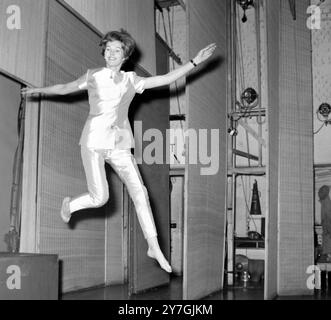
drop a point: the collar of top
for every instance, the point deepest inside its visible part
(111, 73)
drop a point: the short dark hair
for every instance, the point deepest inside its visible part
(128, 43)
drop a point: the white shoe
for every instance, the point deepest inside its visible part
(65, 210)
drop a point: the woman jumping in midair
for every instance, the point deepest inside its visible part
(107, 134)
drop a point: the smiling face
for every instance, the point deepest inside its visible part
(114, 54)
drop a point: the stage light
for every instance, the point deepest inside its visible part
(249, 98)
(245, 5)
(323, 115)
(324, 110)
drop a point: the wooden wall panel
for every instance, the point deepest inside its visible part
(116, 237)
(22, 51)
(296, 251)
(72, 47)
(29, 183)
(136, 16)
(104, 15)
(205, 207)
(152, 110)
(272, 23)
(177, 210)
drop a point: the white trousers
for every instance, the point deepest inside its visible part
(124, 164)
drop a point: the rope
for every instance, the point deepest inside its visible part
(164, 27)
(240, 55)
(319, 130)
(259, 64)
(13, 237)
(171, 45)
(170, 31)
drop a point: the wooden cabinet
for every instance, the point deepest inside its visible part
(29, 277)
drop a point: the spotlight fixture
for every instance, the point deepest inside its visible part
(323, 114)
(249, 98)
(245, 5)
(233, 132)
(324, 110)
(241, 263)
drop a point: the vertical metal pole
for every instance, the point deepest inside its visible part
(231, 140)
(259, 70)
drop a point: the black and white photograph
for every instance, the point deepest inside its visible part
(170, 152)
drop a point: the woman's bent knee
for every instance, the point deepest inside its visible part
(99, 201)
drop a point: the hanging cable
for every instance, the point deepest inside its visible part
(259, 64)
(173, 23)
(170, 31)
(12, 238)
(240, 61)
(171, 45)
(319, 130)
(248, 148)
(240, 75)
(169, 41)
(158, 22)
(164, 28)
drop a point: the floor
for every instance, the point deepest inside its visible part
(250, 291)
(120, 292)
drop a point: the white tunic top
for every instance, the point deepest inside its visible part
(107, 126)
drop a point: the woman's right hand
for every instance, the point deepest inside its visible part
(205, 53)
(29, 91)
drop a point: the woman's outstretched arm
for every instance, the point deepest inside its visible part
(59, 89)
(163, 80)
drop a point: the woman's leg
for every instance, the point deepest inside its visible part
(126, 167)
(98, 194)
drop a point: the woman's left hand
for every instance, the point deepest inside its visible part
(205, 53)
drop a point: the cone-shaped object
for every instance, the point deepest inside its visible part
(255, 207)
